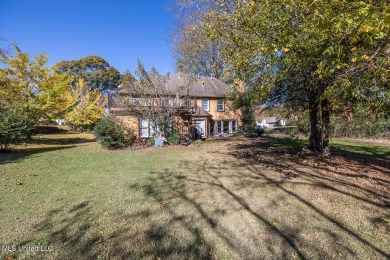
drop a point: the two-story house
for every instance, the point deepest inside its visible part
(197, 105)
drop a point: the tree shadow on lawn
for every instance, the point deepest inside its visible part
(377, 157)
(359, 179)
(252, 212)
(278, 153)
(265, 207)
(41, 145)
(343, 148)
(78, 234)
(62, 141)
(15, 156)
(249, 202)
(66, 231)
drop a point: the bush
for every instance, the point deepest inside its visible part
(112, 134)
(173, 139)
(250, 128)
(151, 140)
(292, 131)
(260, 131)
(304, 126)
(129, 135)
(14, 127)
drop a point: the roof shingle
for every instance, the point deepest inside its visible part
(180, 83)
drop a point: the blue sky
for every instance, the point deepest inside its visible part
(118, 31)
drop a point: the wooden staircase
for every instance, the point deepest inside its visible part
(191, 131)
(184, 140)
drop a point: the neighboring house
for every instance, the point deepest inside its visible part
(281, 122)
(198, 107)
(262, 123)
(60, 121)
(269, 122)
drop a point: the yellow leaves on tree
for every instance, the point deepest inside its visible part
(40, 93)
(56, 95)
(88, 106)
(43, 95)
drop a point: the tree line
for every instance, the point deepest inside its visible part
(32, 94)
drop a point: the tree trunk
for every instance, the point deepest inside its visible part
(315, 139)
(325, 114)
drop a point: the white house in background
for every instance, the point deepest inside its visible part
(271, 122)
(281, 122)
(60, 121)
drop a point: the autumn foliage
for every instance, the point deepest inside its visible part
(88, 106)
(32, 94)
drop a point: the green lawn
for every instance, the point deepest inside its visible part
(361, 149)
(248, 198)
(337, 147)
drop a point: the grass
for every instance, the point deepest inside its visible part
(337, 147)
(248, 198)
(361, 149)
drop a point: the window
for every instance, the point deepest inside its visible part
(151, 128)
(144, 127)
(167, 102)
(225, 127)
(206, 104)
(164, 102)
(172, 102)
(137, 101)
(220, 105)
(158, 126)
(219, 127)
(234, 126)
(144, 101)
(186, 103)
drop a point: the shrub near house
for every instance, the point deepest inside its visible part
(111, 134)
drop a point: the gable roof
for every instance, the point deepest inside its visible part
(270, 119)
(200, 112)
(258, 114)
(180, 82)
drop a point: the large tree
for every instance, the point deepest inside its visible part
(127, 78)
(320, 51)
(149, 98)
(94, 70)
(35, 90)
(88, 106)
(196, 53)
